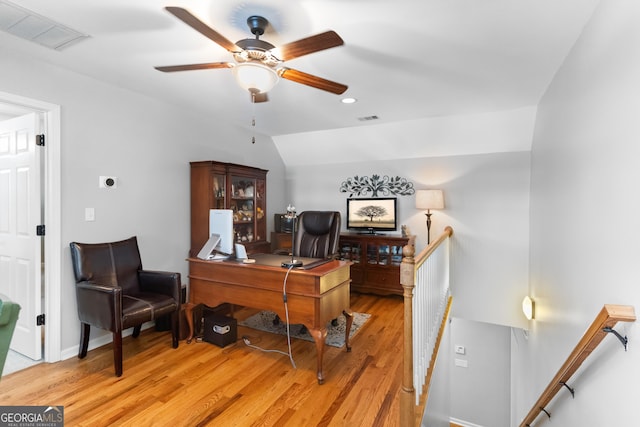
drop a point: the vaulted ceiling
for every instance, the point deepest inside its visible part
(402, 59)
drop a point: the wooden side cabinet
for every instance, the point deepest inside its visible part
(280, 241)
(376, 262)
(243, 189)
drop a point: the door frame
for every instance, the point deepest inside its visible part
(52, 218)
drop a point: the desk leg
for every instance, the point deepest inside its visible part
(319, 336)
(188, 312)
(348, 315)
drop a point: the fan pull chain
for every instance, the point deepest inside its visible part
(253, 119)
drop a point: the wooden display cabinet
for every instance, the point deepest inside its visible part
(243, 189)
(376, 262)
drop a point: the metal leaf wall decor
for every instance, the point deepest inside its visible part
(377, 185)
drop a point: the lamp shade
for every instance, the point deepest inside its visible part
(255, 76)
(429, 199)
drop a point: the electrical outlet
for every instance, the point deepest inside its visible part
(460, 349)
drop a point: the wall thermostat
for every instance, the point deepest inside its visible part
(108, 182)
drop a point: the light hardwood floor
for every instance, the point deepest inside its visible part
(200, 384)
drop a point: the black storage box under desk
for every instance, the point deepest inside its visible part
(220, 330)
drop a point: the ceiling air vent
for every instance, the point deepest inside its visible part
(30, 26)
(368, 118)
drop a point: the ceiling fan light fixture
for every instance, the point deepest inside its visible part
(257, 66)
(253, 76)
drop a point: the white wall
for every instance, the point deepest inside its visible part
(480, 391)
(486, 203)
(146, 144)
(441, 136)
(437, 412)
(584, 223)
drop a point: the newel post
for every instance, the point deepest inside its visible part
(408, 393)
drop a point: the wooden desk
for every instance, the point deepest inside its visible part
(314, 296)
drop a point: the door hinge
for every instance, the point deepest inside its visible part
(40, 140)
(40, 319)
(40, 230)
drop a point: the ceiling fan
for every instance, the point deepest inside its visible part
(258, 64)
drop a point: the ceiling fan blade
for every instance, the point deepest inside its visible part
(189, 67)
(311, 80)
(308, 45)
(189, 19)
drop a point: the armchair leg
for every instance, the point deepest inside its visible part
(117, 352)
(175, 329)
(136, 331)
(85, 329)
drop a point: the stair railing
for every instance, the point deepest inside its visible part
(425, 280)
(603, 324)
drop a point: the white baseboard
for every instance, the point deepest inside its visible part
(104, 339)
(463, 423)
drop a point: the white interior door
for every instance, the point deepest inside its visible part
(20, 214)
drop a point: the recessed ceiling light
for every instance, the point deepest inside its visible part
(348, 100)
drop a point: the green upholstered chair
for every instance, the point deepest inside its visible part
(9, 312)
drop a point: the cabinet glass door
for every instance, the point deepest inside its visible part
(219, 186)
(383, 255)
(396, 254)
(242, 204)
(372, 253)
(248, 202)
(260, 201)
(350, 251)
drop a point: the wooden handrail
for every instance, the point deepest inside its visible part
(426, 252)
(607, 318)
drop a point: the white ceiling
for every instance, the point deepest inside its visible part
(402, 59)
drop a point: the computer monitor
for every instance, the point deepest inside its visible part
(221, 223)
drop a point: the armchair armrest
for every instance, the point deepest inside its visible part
(161, 282)
(8, 310)
(99, 305)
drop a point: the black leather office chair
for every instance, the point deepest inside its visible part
(114, 292)
(317, 235)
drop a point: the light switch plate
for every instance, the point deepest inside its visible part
(89, 214)
(461, 363)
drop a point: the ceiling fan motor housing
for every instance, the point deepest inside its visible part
(257, 24)
(256, 50)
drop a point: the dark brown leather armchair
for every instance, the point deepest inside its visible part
(318, 234)
(114, 293)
